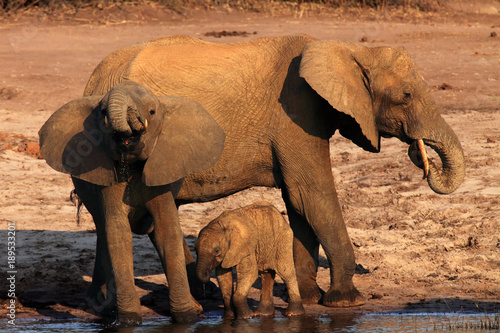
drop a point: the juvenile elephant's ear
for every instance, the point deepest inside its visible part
(71, 141)
(190, 141)
(334, 70)
(242, 235)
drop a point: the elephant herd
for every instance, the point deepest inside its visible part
(179, 120)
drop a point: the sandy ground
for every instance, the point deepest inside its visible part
(416, 250)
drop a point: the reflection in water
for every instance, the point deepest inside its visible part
(266, 325)
(387, 323)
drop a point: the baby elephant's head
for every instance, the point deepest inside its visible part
(224, 242)
(171, 137)
(211, 247)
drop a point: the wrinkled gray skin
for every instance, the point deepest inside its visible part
(128, 152)
(256, 240)
(279, 100)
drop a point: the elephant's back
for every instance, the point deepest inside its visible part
(267, 218)
(220, 74)
(115, 67)
(158, 62)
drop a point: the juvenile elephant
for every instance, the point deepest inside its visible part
(257, 240)
(128, 152)
(279, 100)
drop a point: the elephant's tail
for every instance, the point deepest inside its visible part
(75, 199)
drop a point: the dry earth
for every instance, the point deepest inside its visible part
(416, 250)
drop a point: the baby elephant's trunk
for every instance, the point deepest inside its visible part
(203, 276)
(204, 266)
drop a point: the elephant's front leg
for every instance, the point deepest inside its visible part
(312, 204)
(90, 194)
(119, 246)
(246, 273)
(101, 297)
(168, 240)
(324, 214)
(225, 280)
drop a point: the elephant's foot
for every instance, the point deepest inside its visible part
(197, 306)
(295, 309)
(190, 316)
(264, 309)
(101, 306)
(343, 299)
(228, 314)
(124, 319)
(96, 295)
(310, 292)
(244, 312)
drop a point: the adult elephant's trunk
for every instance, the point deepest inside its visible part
(119, 103)
(445, 142)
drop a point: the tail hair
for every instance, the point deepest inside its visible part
(75, 199)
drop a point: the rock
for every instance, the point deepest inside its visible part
(33, 148)
(488, 10)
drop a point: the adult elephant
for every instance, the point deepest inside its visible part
(127, 152)
(279, 100)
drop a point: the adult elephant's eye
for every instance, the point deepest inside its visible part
(407, 95)
(152, 111)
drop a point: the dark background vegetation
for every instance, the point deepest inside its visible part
(18, 6)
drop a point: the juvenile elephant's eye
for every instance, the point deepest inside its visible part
(152, 111)
(407, 95)
(217, 251)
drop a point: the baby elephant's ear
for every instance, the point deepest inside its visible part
(190, 141)
(71, 141)
(241, 233)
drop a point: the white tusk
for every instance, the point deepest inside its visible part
(421, 148)
(145, 124)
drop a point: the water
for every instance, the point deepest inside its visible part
(373, 323)
(124, 169)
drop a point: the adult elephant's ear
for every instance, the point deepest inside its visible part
(334, 70)
(190, 141)
(71, 141)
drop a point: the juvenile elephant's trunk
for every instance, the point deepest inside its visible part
(203, 269)
(119, 102)
(445, 142)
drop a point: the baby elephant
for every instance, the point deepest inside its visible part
(257, 240)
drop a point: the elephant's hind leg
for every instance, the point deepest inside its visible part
(266, 304)
(305, 256)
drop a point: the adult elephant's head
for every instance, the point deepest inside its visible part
(381, 93)
(91, 137)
